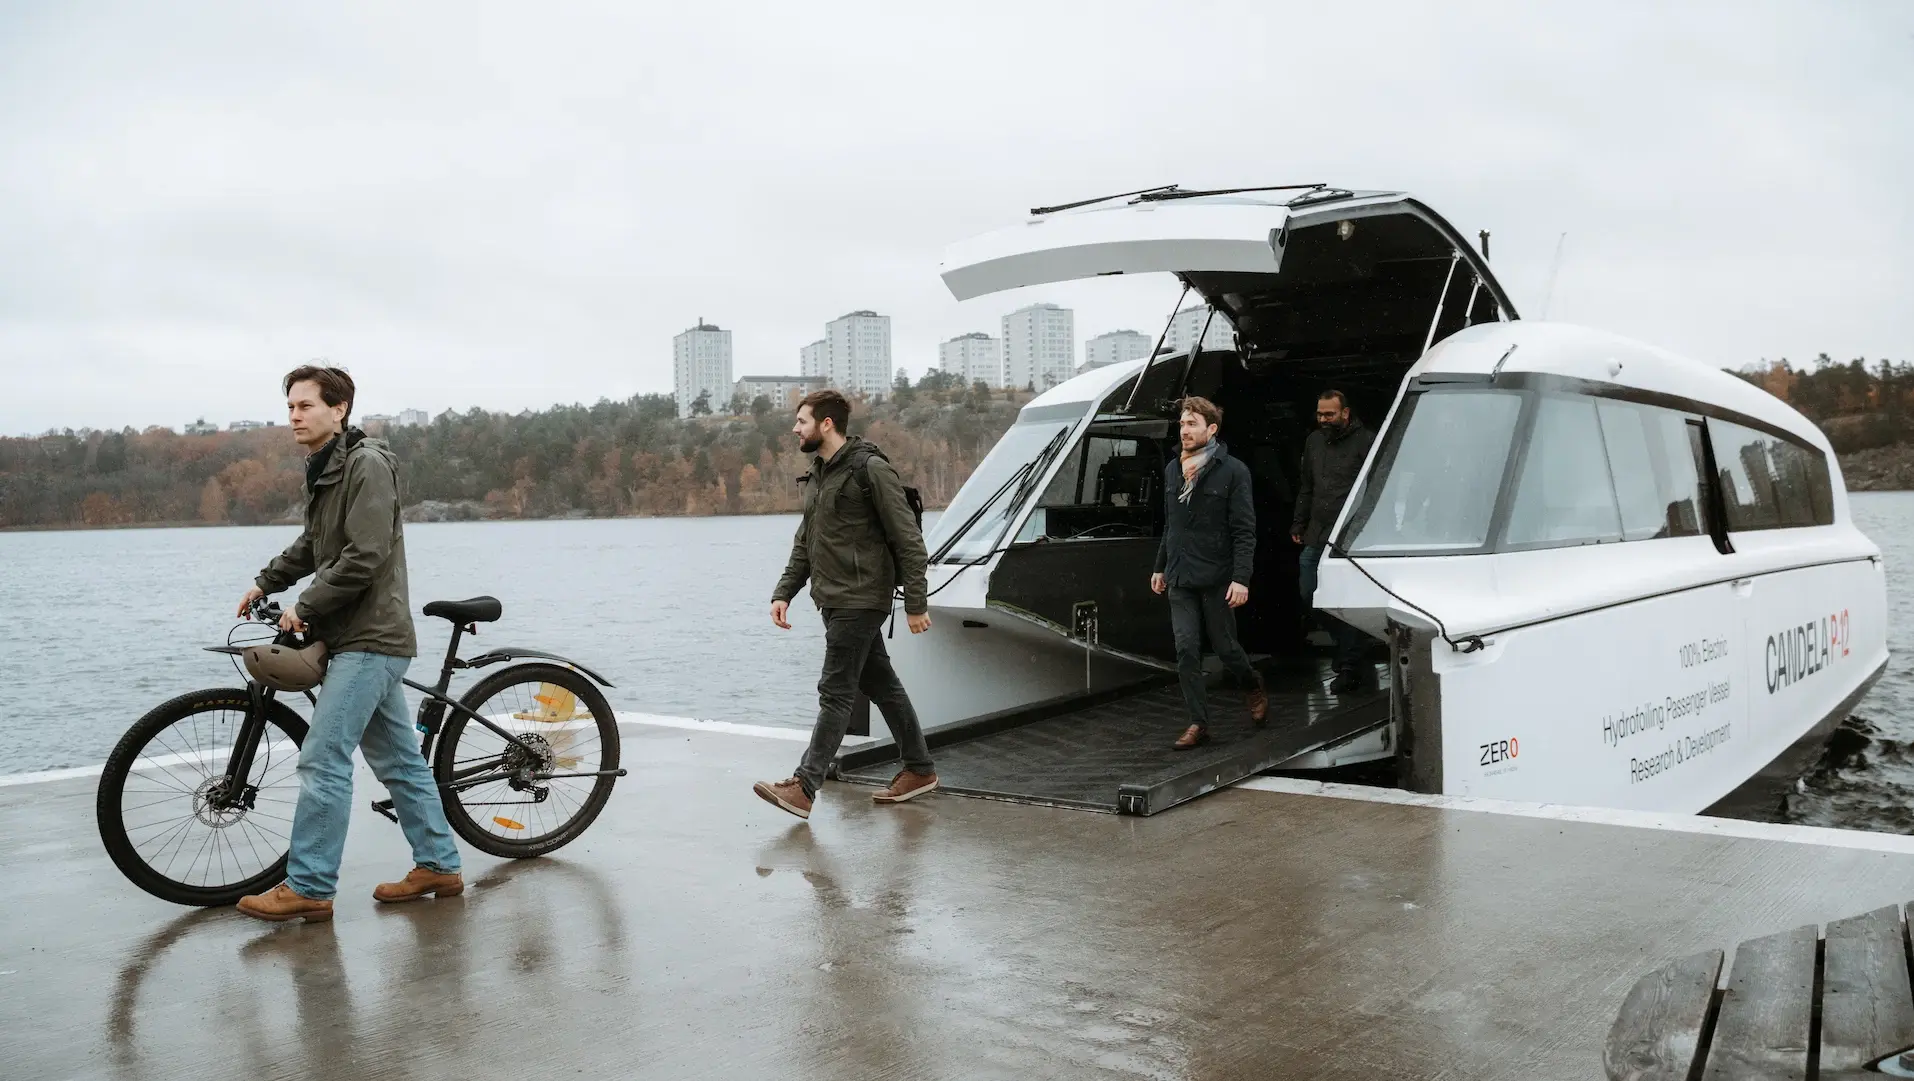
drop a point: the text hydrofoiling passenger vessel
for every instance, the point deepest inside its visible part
(1605, 575)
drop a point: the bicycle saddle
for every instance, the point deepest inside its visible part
(474, 610)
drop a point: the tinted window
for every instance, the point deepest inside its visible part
(1440, 467)
(1565, 495)
(1768, 482)
(1652, 461)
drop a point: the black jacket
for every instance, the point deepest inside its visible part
(1330, 464)
(1210, 540)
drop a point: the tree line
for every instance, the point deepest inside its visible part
(1860, 405)
(634, 457)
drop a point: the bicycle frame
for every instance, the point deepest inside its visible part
(430, 719)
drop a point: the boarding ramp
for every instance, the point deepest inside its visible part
(1109, 750)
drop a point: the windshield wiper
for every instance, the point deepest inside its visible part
(1039, 211)
(1173, 192)
(1020, 477)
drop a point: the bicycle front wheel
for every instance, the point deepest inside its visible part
(161, 807)
(518, 801)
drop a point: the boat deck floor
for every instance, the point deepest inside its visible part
(695, 932)
(1117, 756)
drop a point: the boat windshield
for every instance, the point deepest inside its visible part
(974, 523)
(1440, 468)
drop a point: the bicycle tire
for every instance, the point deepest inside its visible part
(445, 760)
(109, 809)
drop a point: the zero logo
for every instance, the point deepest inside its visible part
(1501, 750)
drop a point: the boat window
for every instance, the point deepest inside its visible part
(1440, 466)
(1653, 463)
(1104, 490)
(971, 527)
(1768, 482)
(1565, 495)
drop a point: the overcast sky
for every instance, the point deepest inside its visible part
(510, 205)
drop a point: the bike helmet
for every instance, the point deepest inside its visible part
(287, 668)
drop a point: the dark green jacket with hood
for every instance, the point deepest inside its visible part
(855, 518)
(354, 548)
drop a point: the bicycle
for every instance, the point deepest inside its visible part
(209, 777)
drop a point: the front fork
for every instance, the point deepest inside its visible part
(235, 788)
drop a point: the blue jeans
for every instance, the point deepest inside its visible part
(362, 704)
(1348, 639)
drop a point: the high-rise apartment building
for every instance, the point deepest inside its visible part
(1040, 346)
(1188, 323)
(701, 364)
(858, 353)
(1114, 347)
(974, 357)
(815, 359)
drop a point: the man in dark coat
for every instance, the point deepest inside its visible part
(1332, 456)
(1205, 562)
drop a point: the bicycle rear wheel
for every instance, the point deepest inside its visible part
(156, 805)
(506, 801)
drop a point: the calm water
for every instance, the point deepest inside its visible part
(97, 627)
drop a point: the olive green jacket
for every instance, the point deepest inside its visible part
(855, 521)
(353, 545)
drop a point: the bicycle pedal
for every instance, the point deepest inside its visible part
(384, 807)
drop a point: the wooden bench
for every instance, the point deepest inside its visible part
(1797, 1006)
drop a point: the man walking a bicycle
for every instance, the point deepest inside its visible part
(353, 546)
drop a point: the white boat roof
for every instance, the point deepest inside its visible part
(1166, 232)
(1579, 352)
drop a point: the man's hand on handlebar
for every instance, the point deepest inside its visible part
(246, 602)
(289, 620)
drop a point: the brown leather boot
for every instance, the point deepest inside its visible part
(280, 904)
(1193, 736)
(905, 786)
(418, 882)
(788, 795)
(1258, 700)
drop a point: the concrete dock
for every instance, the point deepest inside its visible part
(696, 932)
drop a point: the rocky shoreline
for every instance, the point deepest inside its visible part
(1880, 469)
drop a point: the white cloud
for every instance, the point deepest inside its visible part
(507, 206)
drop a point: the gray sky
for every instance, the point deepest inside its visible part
(511, 205)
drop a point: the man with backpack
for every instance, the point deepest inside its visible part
(859, 539)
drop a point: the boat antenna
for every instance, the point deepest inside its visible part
(1484, 234)
(1555, 268)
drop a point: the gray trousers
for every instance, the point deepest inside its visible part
(855, 660)
(1192, 612)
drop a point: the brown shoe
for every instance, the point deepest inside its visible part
(905, 786)
(1258, 700)
(280, 904)
(418, 882)
(1193, 736)
(788, 794)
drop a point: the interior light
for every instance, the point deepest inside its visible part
(1345, 229)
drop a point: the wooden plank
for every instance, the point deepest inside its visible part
(1655, 1036)
(1867, 1009)
(1761, 1032)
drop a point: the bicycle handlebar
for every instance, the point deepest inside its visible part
(264, 611)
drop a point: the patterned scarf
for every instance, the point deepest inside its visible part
(1192, 465)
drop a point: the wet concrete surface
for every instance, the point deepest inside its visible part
(696, 932)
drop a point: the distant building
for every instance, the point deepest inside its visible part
(815, 359)
(1188, 323)
(784, 390)
(974, 357)
(701, 364)
(1114, 347)
(1039, 346)
(245, 425)
(202, 427)
(414, 418)
(858, 353)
